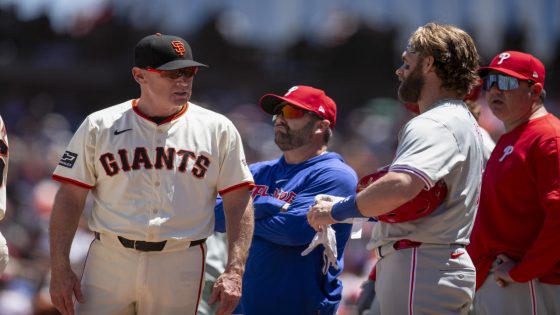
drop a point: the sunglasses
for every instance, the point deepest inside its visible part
(291, 112)
(503, 82)
(177, 73)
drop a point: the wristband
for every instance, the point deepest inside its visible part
(346, 208)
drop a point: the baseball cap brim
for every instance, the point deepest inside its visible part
(179, 64)
(269, 102)
(483, 71)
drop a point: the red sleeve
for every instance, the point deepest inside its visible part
(544, 253)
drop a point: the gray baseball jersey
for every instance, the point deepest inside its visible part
(436, 276)
(442, 143)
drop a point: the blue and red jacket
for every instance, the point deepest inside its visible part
(278, 280)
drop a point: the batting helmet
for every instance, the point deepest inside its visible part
(423, 204)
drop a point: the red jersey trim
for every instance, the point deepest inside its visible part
(71, 181)
(226, 190)
(168, 119)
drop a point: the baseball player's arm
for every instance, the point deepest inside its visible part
(68, 207)
(384, 195)
(391, 191)
(291, 228)
(263, 206)
(239, 227)
(540, 259)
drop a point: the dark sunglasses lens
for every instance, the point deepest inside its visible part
(185, 72)
(504, 82)
(189, 72)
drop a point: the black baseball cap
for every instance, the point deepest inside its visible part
(164, 52)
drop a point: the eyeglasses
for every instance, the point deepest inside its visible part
(504, 82)
(177, 73)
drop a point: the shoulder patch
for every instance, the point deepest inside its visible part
(68, 159)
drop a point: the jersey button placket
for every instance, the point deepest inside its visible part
(155, 185)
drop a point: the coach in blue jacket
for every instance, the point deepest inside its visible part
(278, 279)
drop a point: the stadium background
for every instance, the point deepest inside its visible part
(62, 59)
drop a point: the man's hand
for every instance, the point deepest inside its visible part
(64, 285)
(227, 291)
(501, 271)
(320, 214)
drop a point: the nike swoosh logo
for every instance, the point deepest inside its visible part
(118, 132)
(281, 180)
(456, 255)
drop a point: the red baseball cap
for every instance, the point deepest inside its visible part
(304, 97)
(518, 65)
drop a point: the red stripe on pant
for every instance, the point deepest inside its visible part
(412, 280)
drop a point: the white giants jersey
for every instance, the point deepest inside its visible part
(3, 167)
(154, 181)
(442, 143)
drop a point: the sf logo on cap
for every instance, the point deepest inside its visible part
(179, 47)
(503, 56)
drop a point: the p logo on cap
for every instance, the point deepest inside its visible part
(516, 64)
(293, 88)
(503, 56)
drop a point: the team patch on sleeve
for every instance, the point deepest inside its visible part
(68, 159)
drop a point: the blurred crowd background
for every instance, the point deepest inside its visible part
(63, 59)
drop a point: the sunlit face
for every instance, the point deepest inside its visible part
(167, 87)
(292, 133)
(411, 78)
(511, 107)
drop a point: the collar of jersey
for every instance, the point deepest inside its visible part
(168, 119)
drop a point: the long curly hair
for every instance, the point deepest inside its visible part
(455, 56)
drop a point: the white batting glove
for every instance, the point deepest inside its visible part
(330, 253)
(314, 243)
(327, 238)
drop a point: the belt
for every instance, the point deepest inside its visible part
(144, 246)
(384, 250)
(397, 245)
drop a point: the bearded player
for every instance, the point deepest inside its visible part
(423, 266)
